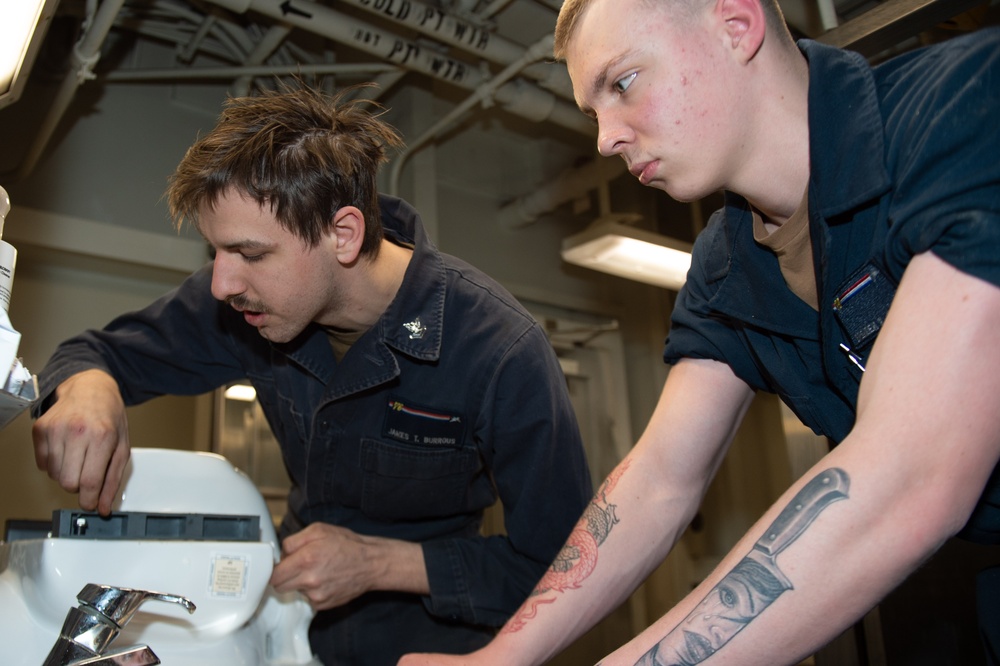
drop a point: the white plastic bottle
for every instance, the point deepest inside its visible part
(8, 255)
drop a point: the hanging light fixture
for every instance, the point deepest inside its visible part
(613, 246)
(22, 29)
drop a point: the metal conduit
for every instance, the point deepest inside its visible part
(539, 50)
(567, 186)
(174, 74)
(517, 97)
(494, 8)
(486, 9)
(187, 53)
(265, 47)
(449, 29)
(363, 36)
(86, 53)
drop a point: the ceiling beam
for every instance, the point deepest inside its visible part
(892, 22)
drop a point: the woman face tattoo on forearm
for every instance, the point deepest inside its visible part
(752, 585)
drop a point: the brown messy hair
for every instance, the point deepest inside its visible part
(299, 152)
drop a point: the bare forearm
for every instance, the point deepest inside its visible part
(610, 551)
(923, 445)
(634, 519)
(749, 588)
(772, 606)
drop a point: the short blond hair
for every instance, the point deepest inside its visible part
(572, 10)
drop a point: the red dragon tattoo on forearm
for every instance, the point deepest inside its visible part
(578, 557)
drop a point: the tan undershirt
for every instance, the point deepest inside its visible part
(341, 341)
(792, 245)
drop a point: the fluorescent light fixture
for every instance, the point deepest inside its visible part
(22, 29)
(609, 246)
(241, 392)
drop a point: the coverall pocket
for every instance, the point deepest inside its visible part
(410, 483)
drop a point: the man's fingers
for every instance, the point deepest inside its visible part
(310, 533)
(286, 574)
(45, 451)
(113, 478)
(82, 439)
(100, 469)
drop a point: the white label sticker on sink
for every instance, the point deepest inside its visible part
(229, 576)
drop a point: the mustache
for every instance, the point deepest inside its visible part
(241, 302)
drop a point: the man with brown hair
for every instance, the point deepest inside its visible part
(854, 271)
(407, 389)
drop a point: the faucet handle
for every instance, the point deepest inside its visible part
(89, 629)
(119, 604)
(134, 656)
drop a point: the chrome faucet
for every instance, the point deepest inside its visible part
(90, 628)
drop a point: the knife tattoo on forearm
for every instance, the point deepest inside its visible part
(752, 585)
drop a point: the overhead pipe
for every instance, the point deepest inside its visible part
(827, 14)
(469, 7)
(366, 37)
(540, 49)
(86, 53)
(187, 53)
(569, 185)
(890, 23)
(523, 99)
(494, 8)
(188, 45)
(265, 47)
(236, 71)
(454, 31)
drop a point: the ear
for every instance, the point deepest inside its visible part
(744, 24)
(347, 234)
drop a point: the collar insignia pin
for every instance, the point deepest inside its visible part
(415, 328)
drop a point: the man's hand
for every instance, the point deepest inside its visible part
(332, 565)
(82, 440)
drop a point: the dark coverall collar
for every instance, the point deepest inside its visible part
(843, 111)
(412, 324)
